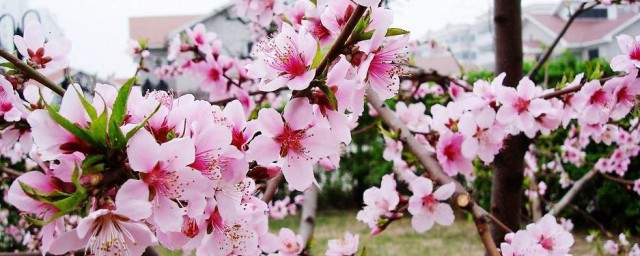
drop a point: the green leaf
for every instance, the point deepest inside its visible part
(74, 129)
(330, 96)
(396, 32)
(98, 128)
(120, 104)
(318, 58)
(118, 113)
(72, 202)
(91, 160)
(315, 2)
(364, 251)
(91, 111)
(141, 124)
(8, 65)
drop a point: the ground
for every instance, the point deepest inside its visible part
(400, 238)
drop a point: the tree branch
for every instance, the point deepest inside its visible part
(341, 40)
(32, 73)
(272, 186)
(616, 179)
(10, 171)
(577, 186)
(433, 169)
(553, 45)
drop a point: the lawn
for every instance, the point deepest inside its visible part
(399, 238)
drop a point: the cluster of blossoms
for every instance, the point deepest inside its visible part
(545, 237)
(480, 118)
(279, 209)
(149, 168)
(143, 169)
(611, 247)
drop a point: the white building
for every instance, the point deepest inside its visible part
(13, 15)
(230, 30)
(591, 35)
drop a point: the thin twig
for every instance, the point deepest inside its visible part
(577, 186)
(32, 73)
(433, 169)
(342, 38)
(230, 99)
(499, 223)
(364, 129)
(272, 186)
(616, 179)
(10, 171)
(553, 45)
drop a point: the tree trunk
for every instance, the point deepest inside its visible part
(309, 210)
(508, 167)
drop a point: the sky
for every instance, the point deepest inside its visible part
(99, 29)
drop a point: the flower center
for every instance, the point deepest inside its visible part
(429, 202)
(290, 141)
(599, 97)
(546, 243)
(634, 54)
(521, 105)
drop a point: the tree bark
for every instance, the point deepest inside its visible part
(508, 167)
(308, 216)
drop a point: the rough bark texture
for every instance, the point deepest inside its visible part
(506, 194)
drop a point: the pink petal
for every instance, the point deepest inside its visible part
(143, 151)
(298, 172)
(506, 114)
(539, 106)
(445, 191)
(422, 222)
(274, 84)
(263, 150)
(444, 214)
(303, 81)
(68, 242)
(142, 237)
(132, 200)
(177, 153)
(320, 142)
(421, 187)
(167, 215)
(298, 113)
(17, 197)
(270, 122)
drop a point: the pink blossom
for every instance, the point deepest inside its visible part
(413, 116)
(51, 55)
(624, 91)
(346, 246)
(291, 244)
(522, 243)
(163, 168)
(426, 207)
(380, 67)
(260, 11)
(392, 150)
(379, 201)
(113, 230)
(285, 60)
(293, 142)
(551, 235)
(630, 57)
(594, 101)
(520, 108)
(611, 247)
(450, 156)
(483, 137)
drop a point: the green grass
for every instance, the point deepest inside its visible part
(399, 238)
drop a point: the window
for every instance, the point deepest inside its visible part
(593, 53)
(599, 13)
